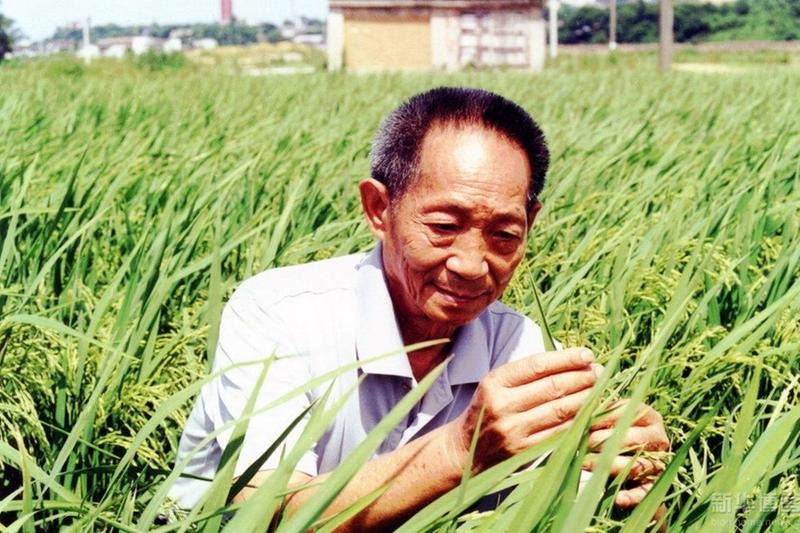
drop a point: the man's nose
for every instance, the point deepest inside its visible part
(468, 258)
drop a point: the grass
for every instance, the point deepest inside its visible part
(259, 56)
(132, 202)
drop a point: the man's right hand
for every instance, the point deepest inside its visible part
(523, 403)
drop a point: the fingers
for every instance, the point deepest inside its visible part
(627, 498)
(553, 387)
(545, 364)
(659, 517)
(645, 415)
(552, 413)
(641, 468)
(642, 473)
(648, 438)
(646, 433)
(544, 434)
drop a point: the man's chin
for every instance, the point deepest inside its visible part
(457, 315)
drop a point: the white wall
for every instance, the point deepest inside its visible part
(537, 41)
(439, 39)
(335, 37)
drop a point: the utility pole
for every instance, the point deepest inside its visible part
(665, 23)
(612, 25)
(553, 9)
(86, 41)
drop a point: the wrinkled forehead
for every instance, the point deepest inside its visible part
(470, 166)
(468, 145)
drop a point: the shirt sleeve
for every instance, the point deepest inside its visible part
(251, 333)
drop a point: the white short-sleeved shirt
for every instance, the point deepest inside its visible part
(318, 317)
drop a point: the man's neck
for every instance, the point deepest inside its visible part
(415, 328)
(424, 360)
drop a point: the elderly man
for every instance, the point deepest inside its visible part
(453, 194)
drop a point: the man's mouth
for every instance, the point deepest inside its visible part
(460, 297)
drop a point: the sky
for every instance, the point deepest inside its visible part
(38, 19)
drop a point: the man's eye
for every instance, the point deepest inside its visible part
(444, 227)
(507, 236)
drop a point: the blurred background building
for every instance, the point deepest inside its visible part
(226, 11)
(374, 35)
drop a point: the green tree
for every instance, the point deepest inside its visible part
(637, 22)
(772, 20)
(586, 24)
(6, 36)
(692, 22)
(271, 32)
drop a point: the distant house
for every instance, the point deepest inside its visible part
(117, 51)
(142, 44)
(118, 47)
(115, 47)
(87, 53)
(376, 35)
(56, 46)
(172, 45)
(311, 39)
(205, 44)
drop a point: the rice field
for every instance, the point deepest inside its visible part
(132, 203)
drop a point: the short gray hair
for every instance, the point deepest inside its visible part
(396, 148)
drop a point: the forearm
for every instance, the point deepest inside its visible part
(415, 475)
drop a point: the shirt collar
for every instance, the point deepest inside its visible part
(470, 353)
(377, 332)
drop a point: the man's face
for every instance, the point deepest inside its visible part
(453, 240)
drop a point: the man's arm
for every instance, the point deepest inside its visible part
(416, 474)
(523, 403)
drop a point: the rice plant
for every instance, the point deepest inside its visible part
(132, 203)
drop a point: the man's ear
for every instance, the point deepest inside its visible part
(536, 206)
(375, 202)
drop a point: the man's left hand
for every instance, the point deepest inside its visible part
(646, 434)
